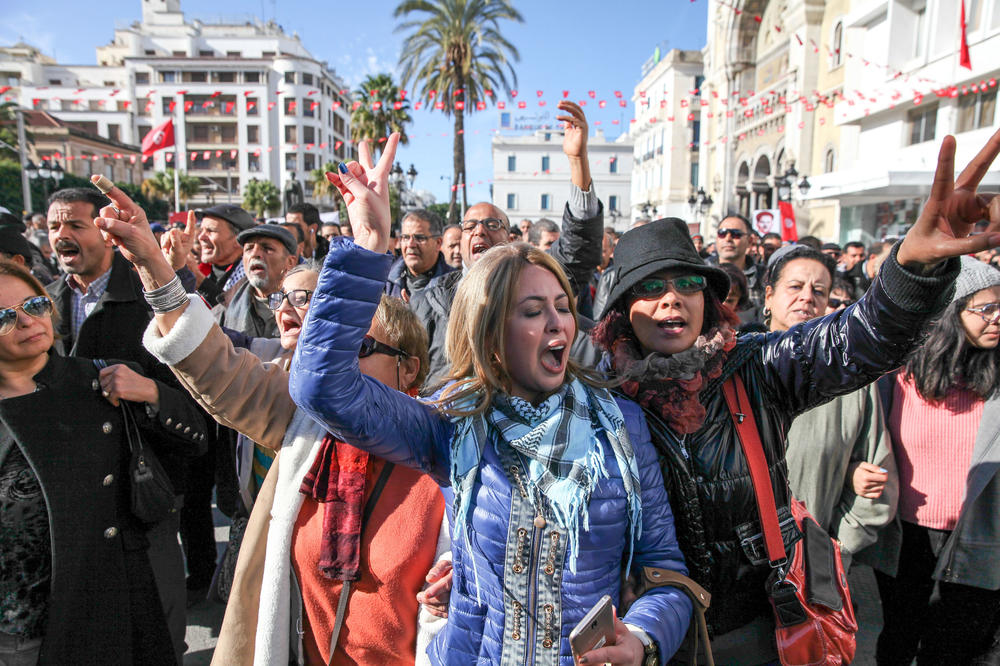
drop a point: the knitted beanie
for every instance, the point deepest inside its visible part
(975, 276)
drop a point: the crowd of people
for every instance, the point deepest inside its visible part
(445, 443)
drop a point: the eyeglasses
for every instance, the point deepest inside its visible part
(652, 288)
(989, 312)
(38, 307)
(370, 345)
(736, 234)
(419, 239)
(297, 298)
(835, 303)
(491, 223)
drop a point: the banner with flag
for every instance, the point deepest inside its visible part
(963, 48)
(158, 138)
(789, 229)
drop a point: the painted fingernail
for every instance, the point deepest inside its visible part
(342, 167)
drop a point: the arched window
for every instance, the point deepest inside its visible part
(837, 46)
(828, 158)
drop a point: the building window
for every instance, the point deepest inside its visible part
(234, 54)
(694, 175)
(227, 133)
(828, 165)
(307, 109)
(545, 163)
(225, 77)
(180, 54)
(511, 163)
(253, 133)
(115, 133)
(168, 77)
(613, 165)
(291, 162)
(289, 77)
(836, 48)
(511, 201)
(267, 54)
(695, 133)
(546, 202)
(290, 106)
(307, 79)
(308, 134)
(196, 77)
(142, 77)
(309, 162)
(253, 163)
(976, 110)
(150, 52)
(205, 53)
(291, 135)
(613, 202)
(253, 106)
(251, 77)
(922, 124)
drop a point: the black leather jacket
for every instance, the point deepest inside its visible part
(785, 374)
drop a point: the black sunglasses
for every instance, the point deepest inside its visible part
(38, 307)
(297, 298)
(735, 233)
(837, 302)
(370, 345)
(491, 223)
(655, 287)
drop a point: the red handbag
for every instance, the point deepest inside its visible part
(813, 613)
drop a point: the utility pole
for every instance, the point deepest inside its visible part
(22, 144)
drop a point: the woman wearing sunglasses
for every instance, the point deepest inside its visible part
(76, 585)
(839, 455)
(339, 543)
(673, 346)
(938, 566)
(555, 482)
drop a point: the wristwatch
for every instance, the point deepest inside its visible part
(650, 650)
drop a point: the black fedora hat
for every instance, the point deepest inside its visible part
(661, 245)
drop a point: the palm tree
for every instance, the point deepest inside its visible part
(261, 196)
(455, 53)
(378, 115)
(161, 185)
(321, 186)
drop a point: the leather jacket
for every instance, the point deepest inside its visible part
(785, 373)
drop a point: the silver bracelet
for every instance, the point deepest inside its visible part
(167, 298)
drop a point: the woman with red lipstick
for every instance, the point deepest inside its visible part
(555, 483)
(672, 344)
(938, 566)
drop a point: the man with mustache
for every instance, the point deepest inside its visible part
(422, 261)
(269, 251)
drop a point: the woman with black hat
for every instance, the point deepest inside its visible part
(672, 343)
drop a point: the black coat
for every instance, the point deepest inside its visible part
(785, 374)
(114, 330)
(103, 604)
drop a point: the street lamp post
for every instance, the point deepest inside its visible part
(45, 173)
(786, 182)
(700, 203)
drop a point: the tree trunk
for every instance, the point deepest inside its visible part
(458, 151)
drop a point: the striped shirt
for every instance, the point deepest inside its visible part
(84, 302)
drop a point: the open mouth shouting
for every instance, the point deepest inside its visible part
(68, 252)
(553, 358)
(478, 248)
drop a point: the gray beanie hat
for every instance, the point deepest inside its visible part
(975, 276)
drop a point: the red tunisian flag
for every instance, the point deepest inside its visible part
(963, 53)
(789, 230)
(159, 137)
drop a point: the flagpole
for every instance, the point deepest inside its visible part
(177, 180)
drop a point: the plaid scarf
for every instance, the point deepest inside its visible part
(337, 479)
(565, 458)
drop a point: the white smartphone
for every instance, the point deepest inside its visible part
(595, 630)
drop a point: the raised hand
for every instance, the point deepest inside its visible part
(177, 243)
(365, 188)
(575, 142)
(954, 207)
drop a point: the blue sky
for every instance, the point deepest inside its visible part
(580, 46)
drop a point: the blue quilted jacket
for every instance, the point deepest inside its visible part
(514, 598)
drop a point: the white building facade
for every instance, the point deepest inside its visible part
(248, 100)
(666, 135)
(531, 176)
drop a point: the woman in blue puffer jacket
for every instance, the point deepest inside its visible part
(556, 483)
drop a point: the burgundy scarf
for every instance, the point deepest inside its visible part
(337, 479)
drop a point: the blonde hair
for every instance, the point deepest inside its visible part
(477, 327)
(404, 331)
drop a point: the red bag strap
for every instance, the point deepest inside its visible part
(741, 411)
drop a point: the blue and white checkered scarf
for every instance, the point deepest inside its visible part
(565, 458)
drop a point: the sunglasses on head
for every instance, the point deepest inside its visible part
(835, 303)
(655, 287)
(297, 298)
(37, 306)
(491, 223)
(370, 345)
(734, 233)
